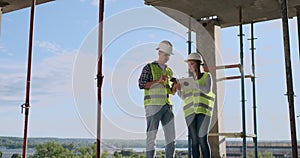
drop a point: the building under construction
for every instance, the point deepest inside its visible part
(213, 15)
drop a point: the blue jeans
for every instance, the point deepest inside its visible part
(198, 130)
(166, 116)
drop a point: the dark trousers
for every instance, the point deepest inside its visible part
(198, 130)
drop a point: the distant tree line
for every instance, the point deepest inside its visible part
(17, 143)
(120, 143)
(78, 148)
(261, 155)
(14, 143)
(53, 149)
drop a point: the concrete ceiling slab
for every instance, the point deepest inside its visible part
(226, 11)
(12, 5)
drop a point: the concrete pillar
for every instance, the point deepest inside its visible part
(210, 48)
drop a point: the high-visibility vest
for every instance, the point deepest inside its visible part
(198, 102)
(158, 94)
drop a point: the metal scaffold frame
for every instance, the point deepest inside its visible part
(251, 76)
(244, 135)
(26, 105)
(289, 75)
(99, 77)
(289, 80)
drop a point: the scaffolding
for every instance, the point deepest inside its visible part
(242, 134)
(240, 66)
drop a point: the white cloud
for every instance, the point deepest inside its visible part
(95, 2)
(4, 50)
(12, 84)
(54, 74)
(51, 47)
(2, 47)
(51, 77)
(152, 36)
(51, 90)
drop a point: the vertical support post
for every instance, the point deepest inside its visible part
(2, 5)
(298, 23)
(190, 36)
(242, 83)
(26, 105)
(190, 43)
(254, 90)
(189, 52)
(289, 76)
(99, 76)
(0, 19)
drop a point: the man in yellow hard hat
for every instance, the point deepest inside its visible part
(155, 79)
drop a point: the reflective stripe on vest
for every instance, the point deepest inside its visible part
(188, 106)
(204, 105)
(159, 93)
(198, 102)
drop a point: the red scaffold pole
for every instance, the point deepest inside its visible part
(26, 105)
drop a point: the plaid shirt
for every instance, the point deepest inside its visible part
(146, 76)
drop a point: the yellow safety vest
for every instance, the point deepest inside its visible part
(159, 93)
(198, 102)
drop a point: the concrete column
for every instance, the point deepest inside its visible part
(210, 48)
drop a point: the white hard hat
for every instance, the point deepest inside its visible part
(166, 47)
(195, 56)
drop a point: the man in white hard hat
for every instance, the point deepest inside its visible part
(155, 79)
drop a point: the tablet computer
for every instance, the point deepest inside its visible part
(187, 83)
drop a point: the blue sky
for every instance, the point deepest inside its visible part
(64, 58)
